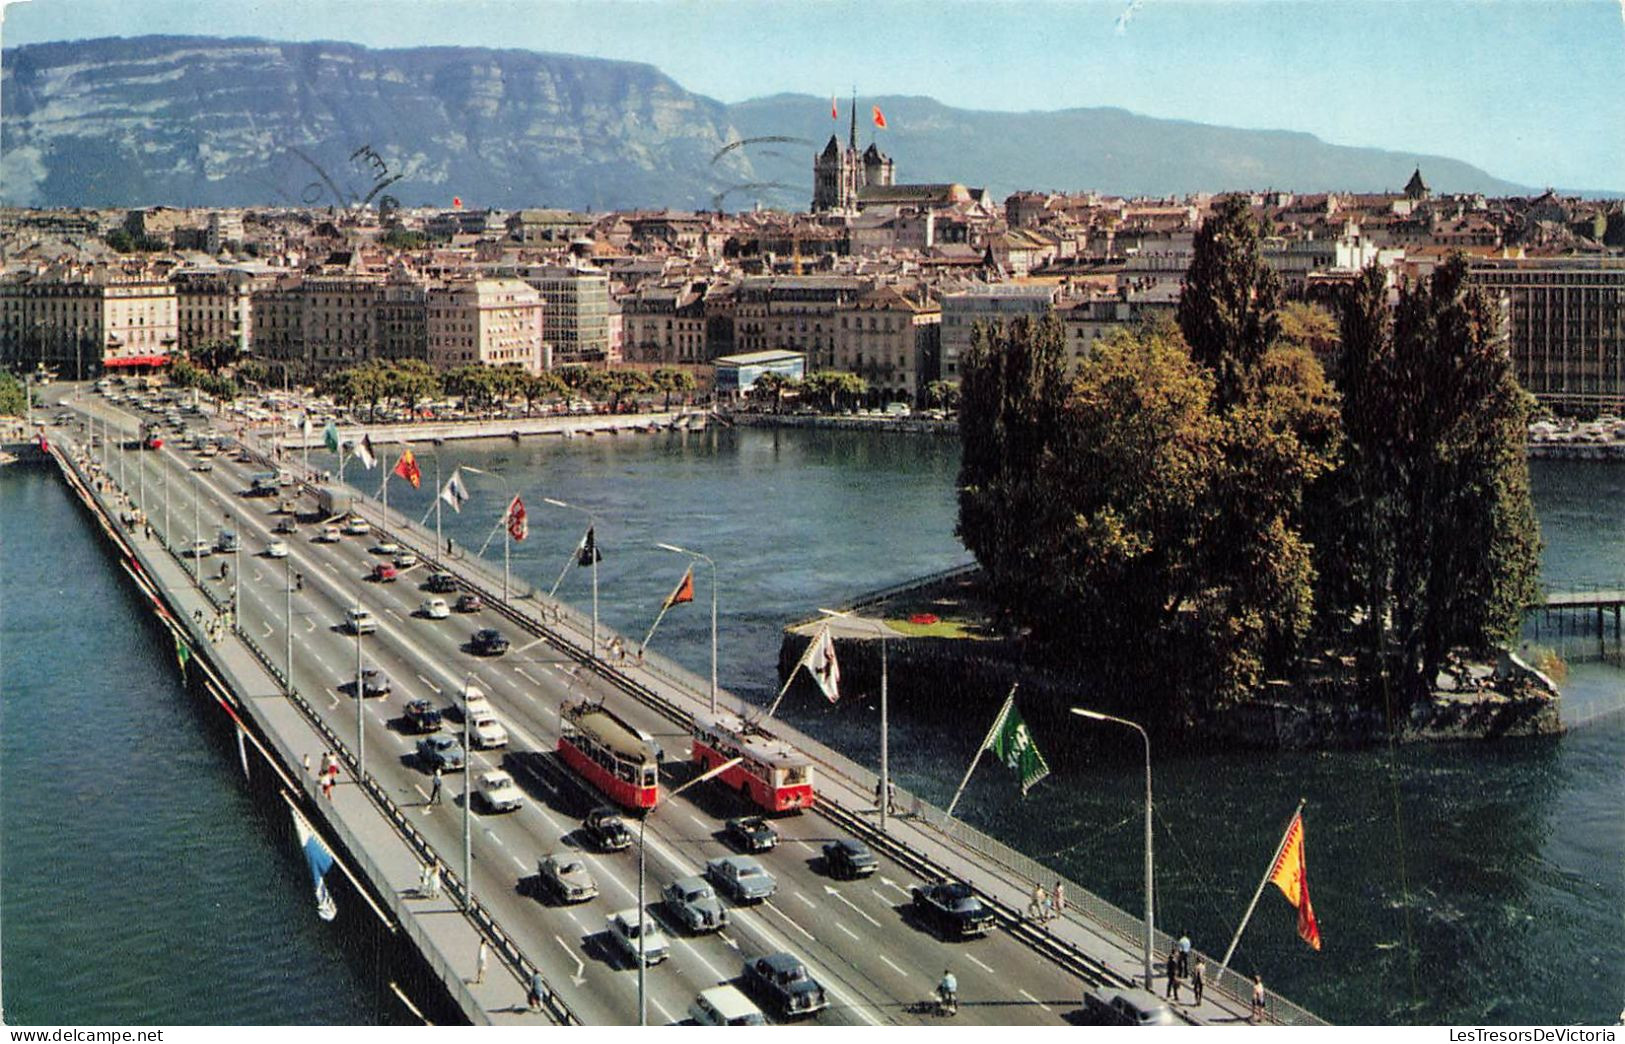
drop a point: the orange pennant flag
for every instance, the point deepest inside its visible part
(684, 592)
(1291, 876)
(880, 117)
(407, 468)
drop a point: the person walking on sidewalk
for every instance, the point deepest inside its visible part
(481, 961)
(538, 990)
(433, 890)
(1060, 900)
(1184, 956)
(1198, 976)
(434, 789)
(1172, 992)
(1258, 999)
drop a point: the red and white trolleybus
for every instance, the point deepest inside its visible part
(773, 774)
(609, 754)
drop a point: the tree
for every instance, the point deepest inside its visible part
(668, 380)
(182, 374)
(1227, 310)
(943, 395)
(215, 355)
(13, 397)
(411, 381)
(836, 387)
(254, 372)
(1312, 328)
(772, 387)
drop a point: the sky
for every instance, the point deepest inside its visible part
(1532, 91)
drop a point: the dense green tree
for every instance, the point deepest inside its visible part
(1228, 308)
(943, 395)
(215, 355)
(772, 386)
(410, 382)
(836, 387)
(1313, 328)
(182, 374)
(669, 381)
(253, 371)
(13, 397)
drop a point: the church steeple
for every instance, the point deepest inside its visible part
(852, 136)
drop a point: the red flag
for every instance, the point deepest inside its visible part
(457, 202)
(684, 592)
(880, 117)
(518, 524)
(407, 468)
(1291, 876)
(834, 113)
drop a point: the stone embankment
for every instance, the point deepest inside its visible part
(911, 425)
(563, 425)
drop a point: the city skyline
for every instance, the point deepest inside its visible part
(1380, 84)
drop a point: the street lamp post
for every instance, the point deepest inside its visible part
(468, 800)
(287, 582)
(879, 629)
(1149, 930)
(592, 525)
(713, 565)
(360, 702)
(197, 531)
(643, 823)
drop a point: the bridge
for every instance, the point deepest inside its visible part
(281, 669)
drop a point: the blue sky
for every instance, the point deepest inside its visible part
(1529, 90)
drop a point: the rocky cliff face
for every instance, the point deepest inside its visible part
(203, 121)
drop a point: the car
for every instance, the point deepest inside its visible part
(361, 621)
(566, 878)
(952, 906)
(485, 732)
(469, 603)
(488, 642)
(606, 829)
(441, 583)
(725, 1006)
(385, 572)
(276, 549)
(440, 751)
(227, 542)
(623, 931)
(849, 859)
(286, 526)
(386, 547)
(200, 549)
(328, 535)
(435, 608)
(287, 507)
(751, 834)
(406, 560)
(498, 792)
(473, 702)
(694, 904)
(203, 465)
(355, 525)
(742, 878)
(374, 683)
(786, 983)
(420, 716)
(1132, 1007)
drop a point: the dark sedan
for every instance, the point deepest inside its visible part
(783, 980)
(488, 642)
(469, 603)
(953, 909)
(752, 834)
(441, 583)
(849, 859)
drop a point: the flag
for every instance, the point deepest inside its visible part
(407, 468)
(1291, 876)
(684, 591)
(589, 550)
(242, 751)
(320, 860)
(330, 437)
(183, 653)
(306, 428)
(44, 446)
(364, 453)
(1012, 744)
(518, 523)
(455, 493)
(821, 664)
(834, 113)
(880, 118)
(457, 202)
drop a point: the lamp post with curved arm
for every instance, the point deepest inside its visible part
(592, 526)
(1097, 716)
(708, 561)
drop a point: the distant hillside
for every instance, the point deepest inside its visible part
(205, 121)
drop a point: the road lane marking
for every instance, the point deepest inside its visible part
(1035, 1000)
(804, 899)
(808, 847)
(700, 822)
(845, 929)
(309, 626)
(662, 1008)
(980, 965)
(894, 967)
(267, 633)
(855, 907)
(788, 920)
(520, 863)
(521, 672)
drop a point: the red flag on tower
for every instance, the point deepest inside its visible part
(407, 468)
(880, 117)
(518, 524)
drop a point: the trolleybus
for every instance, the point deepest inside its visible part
(609, 754)
(772, 774)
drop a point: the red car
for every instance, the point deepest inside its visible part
(470, 603)
(384, 572)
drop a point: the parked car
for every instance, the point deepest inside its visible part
(435, 608)
(623, 931)
(742, 878)
(485, 732)
(498, 792)
(374, 683)
(488, 642)
(849, 859)
(441, 583)
(355, 525)
(786, 983)
(469, 603)
(361, 621)
(1132, 1007)
(751, 834)
(725, 1006)
(565, 877)
(694, 903)
(385, 572)
(953, 908)
(420, 716)
(440, 751)
(606, 829)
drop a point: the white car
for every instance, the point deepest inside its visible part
(357, 526)
(435, 608)
(201, 549)
(386, 547)
(623, 931)
(406, 560)
(276, 549)
(329, 535)
(498, 792)
(361, 621)
(725, 1006)
(475, 704)
(486, 732)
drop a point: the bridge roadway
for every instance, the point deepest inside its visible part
(857, 938)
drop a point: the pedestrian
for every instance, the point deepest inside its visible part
(1258, 999)
(1035, 909)
(1060, 900)
(481, 961)
(1198, 978)
(434, 789)
(307, 764)
(891, 797)
(423, 880)
(536, 992)
(1184, 956)
(434, 880)
(327, 787)
(1172, 992)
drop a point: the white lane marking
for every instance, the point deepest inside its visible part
(392, 612)
(267, 633)
(430, 684)
(889, 883)
(520, 863)
(788, 920)
(855, 907)
(521, 672)
(493, 837)
(700, 822)
(662, 1008)
(980, 965)
(1035, 1000)
(894, 967)
(571, 914)
(808, 847)
(804, 899)
(845, 929)
(730, 941)
(309, 626)
(701, 958)
(581, 968)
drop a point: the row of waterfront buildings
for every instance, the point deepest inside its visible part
(883, 280)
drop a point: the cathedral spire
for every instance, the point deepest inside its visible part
(852, 136)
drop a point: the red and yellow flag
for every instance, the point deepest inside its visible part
(1291, 876)
(407, 468)
(684, 592)
(880, 117)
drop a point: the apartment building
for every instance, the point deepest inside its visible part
(490, 322)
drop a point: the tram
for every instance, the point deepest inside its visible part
(609, 754)
(772, 774)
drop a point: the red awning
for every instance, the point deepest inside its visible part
(137, 360)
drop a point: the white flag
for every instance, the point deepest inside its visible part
(307, 428)
(455, 493)
(363, 452)
(820, 661)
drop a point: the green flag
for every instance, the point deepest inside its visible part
(183, 653)
(1012, 744)
(330, 437)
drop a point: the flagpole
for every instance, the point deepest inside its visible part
(1009, 701)
(664, 607)
(1268, 870)
(885, 764)
(437, 499)
(788, 678)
